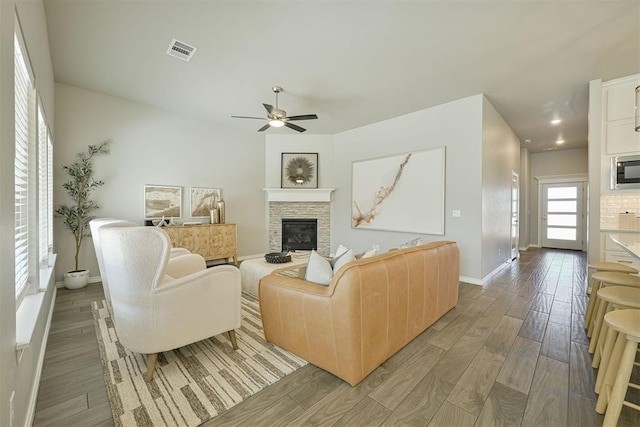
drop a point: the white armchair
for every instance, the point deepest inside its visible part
(155, 311)
(96, 224)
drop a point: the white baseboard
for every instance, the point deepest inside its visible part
(533, 245)
(92, 279)
(471, 280)
(485, 279)
(33, 398)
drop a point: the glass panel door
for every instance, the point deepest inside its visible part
(562, 216)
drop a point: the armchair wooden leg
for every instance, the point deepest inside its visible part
(232, 337)
(151, 366)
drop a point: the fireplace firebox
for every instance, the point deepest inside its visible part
(299, 234)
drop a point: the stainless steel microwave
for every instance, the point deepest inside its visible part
(625, 172)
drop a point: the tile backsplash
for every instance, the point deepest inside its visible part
(613, 204)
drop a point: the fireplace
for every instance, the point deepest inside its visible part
(299, 234)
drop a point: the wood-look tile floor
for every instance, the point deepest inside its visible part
(512, 353)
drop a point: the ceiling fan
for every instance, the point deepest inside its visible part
(277, 117)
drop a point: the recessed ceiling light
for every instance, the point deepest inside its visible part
(556, 121)
(560, 141)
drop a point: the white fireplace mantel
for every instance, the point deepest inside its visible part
(299, 194)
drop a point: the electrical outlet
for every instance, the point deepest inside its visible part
(455, 213)
(499, 252)
(12, 411)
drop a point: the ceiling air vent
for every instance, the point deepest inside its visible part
(181, 50)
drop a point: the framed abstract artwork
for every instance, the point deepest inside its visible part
(202, 200)
(299, 170)
(162, 200)
(403, 192)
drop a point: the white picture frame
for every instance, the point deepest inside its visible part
(402, 192)
(162, 200)
(202, 200)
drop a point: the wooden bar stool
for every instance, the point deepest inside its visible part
(613, 266)
(604, 266)
(618, 369)
(606, 278)
(611, 298)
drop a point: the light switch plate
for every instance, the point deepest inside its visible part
(455, 213)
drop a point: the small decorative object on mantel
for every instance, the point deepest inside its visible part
(299, 170)
(277, 257)
(76, 216)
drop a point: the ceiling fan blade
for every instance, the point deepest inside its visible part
(294, 127)
(269, 108)
(303, 117)
(265, 127)
(245, 117)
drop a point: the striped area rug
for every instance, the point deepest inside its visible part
(191, 384)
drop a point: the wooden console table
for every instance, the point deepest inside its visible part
(212, 241)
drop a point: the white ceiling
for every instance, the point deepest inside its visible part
(351, 62)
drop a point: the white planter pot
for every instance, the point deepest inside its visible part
(76, 279)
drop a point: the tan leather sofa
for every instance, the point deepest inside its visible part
(371, 309)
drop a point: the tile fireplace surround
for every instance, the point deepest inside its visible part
(300, 204)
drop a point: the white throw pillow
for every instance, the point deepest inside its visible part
(342, 259)
(411, 243)
(339, 252)
(371, 252)
(318, 269)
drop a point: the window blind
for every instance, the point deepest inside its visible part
(43, 194)
(50, 193)
(23, 86)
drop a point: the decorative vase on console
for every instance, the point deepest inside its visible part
(220, 206)
(215, 215)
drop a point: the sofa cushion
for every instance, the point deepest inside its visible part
(342, 259)
(318, 269)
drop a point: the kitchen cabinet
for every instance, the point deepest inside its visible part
(619, 135)
(614, 253)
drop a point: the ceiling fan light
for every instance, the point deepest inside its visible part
(276, 123)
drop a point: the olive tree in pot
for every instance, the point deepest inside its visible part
(76, 215)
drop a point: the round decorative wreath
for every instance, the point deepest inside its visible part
(299, 170)
(277, 257)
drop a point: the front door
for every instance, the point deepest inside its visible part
(562, 218)
(515, 212)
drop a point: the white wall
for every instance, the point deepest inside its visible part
(20, 377)
(457, 126)
(500, 158)
(154, 146)
(563, 162)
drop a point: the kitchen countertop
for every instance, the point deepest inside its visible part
(619, 230)
(629, 242)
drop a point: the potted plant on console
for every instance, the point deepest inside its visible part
(76, 216)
